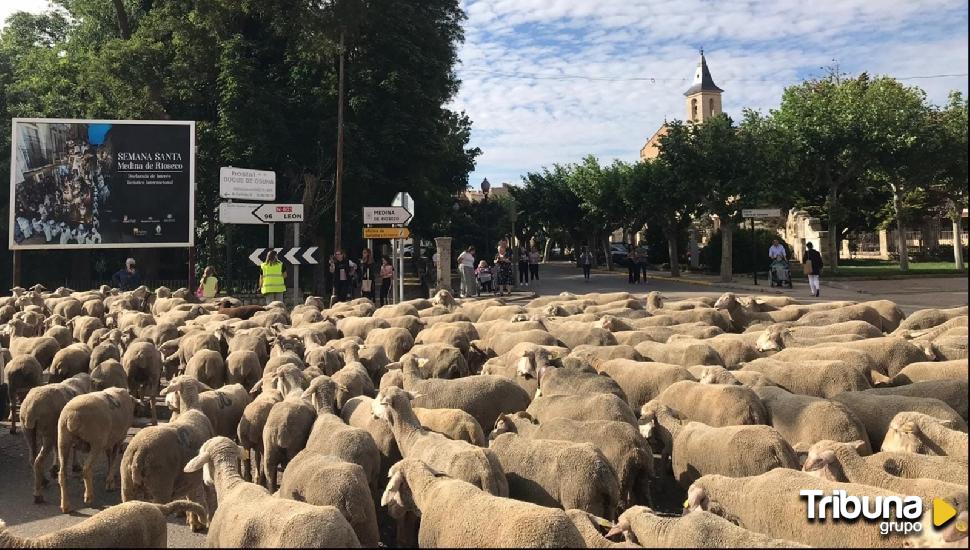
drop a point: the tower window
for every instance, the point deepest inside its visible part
(711, 103)
(693, 109)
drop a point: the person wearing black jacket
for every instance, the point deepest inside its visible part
(367, 275)
(813, 268)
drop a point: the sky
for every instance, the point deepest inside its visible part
(550, 81)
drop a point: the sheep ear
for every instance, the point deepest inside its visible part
(197, 463)
(801, 447)
(858, 444)
(391, 493)
(947, 423)
(242, 452)
(164, 391)
(256, 388)
(412, 395)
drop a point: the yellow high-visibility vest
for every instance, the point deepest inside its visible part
(209, 287)
(272, 278)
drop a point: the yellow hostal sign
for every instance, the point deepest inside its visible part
(386, 232)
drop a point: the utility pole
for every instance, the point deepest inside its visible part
(338, 204)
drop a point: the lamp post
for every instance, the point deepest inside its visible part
(486, 187)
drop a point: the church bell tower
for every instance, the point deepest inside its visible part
(703, 97)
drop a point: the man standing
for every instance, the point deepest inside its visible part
(813, 268)
(343, 271)
(271, 278)
(128, 278)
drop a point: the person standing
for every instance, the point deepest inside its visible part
(128, 278)
(503, 262)
(523, 266)
(586, 260)
(271, 278)
(534, 258)
(343, 275)
(367, 275)
(813, 268)
(387, 276)
(466, 268)
(633, 268)
(209, 285)
(642, 264)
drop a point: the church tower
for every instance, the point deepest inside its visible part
(703, 97)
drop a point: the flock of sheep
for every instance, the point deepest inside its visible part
(597, 420)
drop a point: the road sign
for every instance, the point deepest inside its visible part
(272, 213)
(386, 232)
(396, 215)
(295, 256)
(405, 201)
(238, 212)
(761, 213)
(246, 184)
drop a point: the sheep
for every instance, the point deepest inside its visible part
(60, 333)
(41, 348)
(591, 528)
(21, 374)
(358, 413)
(484, 397)
(949, 346)
(856, 312)
(594, 355)
(841, 462)
(133, 524)
(877, 411)
(914, 432)
(452, 423)
(352, 380)
(914, 466)
(250, 432)
(360, 326)
(109, 374)
(411, 323)
(558, 474)
(287, 426)
(770, 504)
(642, 381)
(951, 392)
(714, 405)
(39, 413)
(395, 341)
(486, 521)
(496, 312)
(680, 352)
(506, 341)
(242, 367)
(575, 381)
(803, 420)
(324, 480)
(459, 459)
(857, 359)
(811, 377)
(143, 365)
(152, 464)
(698, 529)
(733, 349)
(600, 406)
(889, 312)
(930, 370)
(929, 318)
(103, 352)
(208, 367)
(99, 422)
(241, 520)
(780, 336)
(574, 334)
(742, 317)
(889, 354)
(459, 334)
(330, 436)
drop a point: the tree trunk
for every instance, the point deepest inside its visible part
(727, 250)
(833, 240)
(901, 247)
(606, 248)
(957, 236)
(545, 250)
(672, 252)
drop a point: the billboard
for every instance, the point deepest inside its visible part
(101, 184)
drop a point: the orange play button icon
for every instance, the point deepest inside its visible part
(942, 512)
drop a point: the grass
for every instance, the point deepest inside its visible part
(884, 268)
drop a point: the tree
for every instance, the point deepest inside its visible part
(951, 122)
(546, 201)
(599, 189)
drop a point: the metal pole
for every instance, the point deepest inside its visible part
(754, 254)
(296, 266)
(396, 274)
(16, 268)
(338, 183)
(272, 240)
(400, 259)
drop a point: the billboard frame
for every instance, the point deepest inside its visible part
(13, 246)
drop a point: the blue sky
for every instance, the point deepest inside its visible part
(549, 81)
(525, 65)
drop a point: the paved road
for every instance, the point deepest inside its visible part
(25, 518)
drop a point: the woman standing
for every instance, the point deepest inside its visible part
(343, 275)
(466, 268)
(367, 275)
(523, 266)
(534, 258)
(503, 261)
(586, 260)
(387, 275)
(209, 285)
(271, 278)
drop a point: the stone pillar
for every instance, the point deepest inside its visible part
(883, 244)
(845, 253)
(695, 253)
(443, 277)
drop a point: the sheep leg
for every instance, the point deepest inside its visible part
(198, 523)
(246, 465)
(271, 461)
(14, 408)
(64, 445)
(40, 459)
(87, 471)
(111, 479)
(149, 402)
(258, 476)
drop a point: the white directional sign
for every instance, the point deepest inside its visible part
(295, 256)
(761, 213)
(272, 213)
(246, 184)
(238, 212)
(395, 215)
(405, 201)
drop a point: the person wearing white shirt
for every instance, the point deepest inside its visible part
(466, 267)
(777, 251)
(66, 234)
(95, 237)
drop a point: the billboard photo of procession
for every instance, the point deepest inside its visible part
(101, 184)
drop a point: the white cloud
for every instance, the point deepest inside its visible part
(754, 50)
(8, 7)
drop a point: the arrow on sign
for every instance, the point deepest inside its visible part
(256, 256)
(308, 255)
(290, 256)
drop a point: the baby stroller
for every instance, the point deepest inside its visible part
(780, 273)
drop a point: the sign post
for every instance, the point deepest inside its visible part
(405, 202)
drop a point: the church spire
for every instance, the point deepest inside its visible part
(702, 79)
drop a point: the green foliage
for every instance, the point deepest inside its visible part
(710, 255)
(479, 224)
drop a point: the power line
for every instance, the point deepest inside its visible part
(564, 77)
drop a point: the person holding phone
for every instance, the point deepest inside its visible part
(343, 275)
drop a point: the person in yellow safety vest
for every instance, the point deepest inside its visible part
(271, 282)
(209, 285)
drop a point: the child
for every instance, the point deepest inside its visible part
(387, 273)
(484, 276)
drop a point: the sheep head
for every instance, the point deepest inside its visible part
(322, 393)
(697, 499)
(728, 300)
(823, 463)
(622, 526)
(772, 339)
(220, 449)
(398, 496)
(716, 374)
(391, 398)
(905, 434)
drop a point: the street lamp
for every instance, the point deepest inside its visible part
(486, 186)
